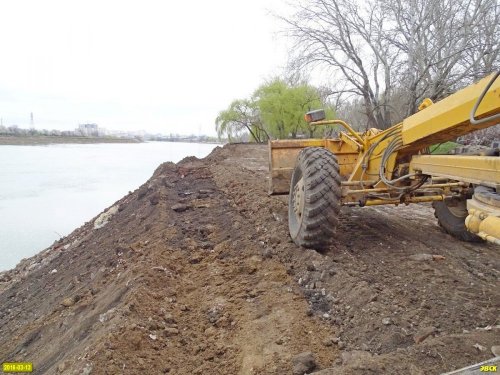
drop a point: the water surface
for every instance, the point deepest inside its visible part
(48, 191)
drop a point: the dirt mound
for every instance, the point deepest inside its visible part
(194, 272)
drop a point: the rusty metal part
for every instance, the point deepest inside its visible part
(427, 198)
(283, 154)
(423, 188)
(408, 200)
(351, 131)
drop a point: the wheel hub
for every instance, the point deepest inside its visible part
(298, 198)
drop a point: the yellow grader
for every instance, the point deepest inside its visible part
(394, 167)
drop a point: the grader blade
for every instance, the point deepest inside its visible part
(283, 156)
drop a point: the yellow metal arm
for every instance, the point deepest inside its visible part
(450, 117)
(346, 126)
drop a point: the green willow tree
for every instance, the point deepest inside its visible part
(241, 115)
(282, 107)
(276, 110)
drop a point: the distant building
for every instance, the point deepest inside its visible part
(89, 130)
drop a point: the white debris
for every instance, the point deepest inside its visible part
(104, 218)
(34, 265)
(488, 328)
(479, 347)
(87, 370)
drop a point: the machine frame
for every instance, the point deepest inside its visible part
(394, 166)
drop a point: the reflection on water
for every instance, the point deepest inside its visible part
(48, 191)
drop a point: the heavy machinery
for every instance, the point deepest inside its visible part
(394, 167)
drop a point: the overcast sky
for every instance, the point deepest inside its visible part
(161, 66)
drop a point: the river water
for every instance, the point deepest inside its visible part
(48, 191)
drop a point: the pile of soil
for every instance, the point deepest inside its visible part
(194, 273)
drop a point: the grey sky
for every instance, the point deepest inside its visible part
(162, 66)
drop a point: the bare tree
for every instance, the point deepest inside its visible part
(485, 58)
(349, 39)
(442, 45)
(393, 53)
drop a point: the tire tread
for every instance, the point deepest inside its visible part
(323, 198)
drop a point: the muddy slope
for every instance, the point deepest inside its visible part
(194, 273)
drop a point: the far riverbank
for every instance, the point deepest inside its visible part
(46, 140)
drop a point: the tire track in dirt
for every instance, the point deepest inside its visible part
(377, 297)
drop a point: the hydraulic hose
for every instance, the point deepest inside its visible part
(472, 118)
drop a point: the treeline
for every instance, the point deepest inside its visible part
(181, 138)
(16, 131)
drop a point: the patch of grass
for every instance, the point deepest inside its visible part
(443, 148)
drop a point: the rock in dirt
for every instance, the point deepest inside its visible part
(496, 350)
(479, 347)
(168, 318)
(386, 321)
(61, 367)
(274, 240)
(154, 199)
(195, 259)
(423, 333)
(426, 257)
(421, 257)
(328, 371)
(180, 207)
(206, 245)
(87, 369)
(68, 301)
(142, 193)
(210, 331)
(303, 363)
(267, 253)
(328, 342)
(355, 357)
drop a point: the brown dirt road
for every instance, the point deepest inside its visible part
(216, 286)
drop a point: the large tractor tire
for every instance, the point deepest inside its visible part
(451, 216)
(315, 198)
